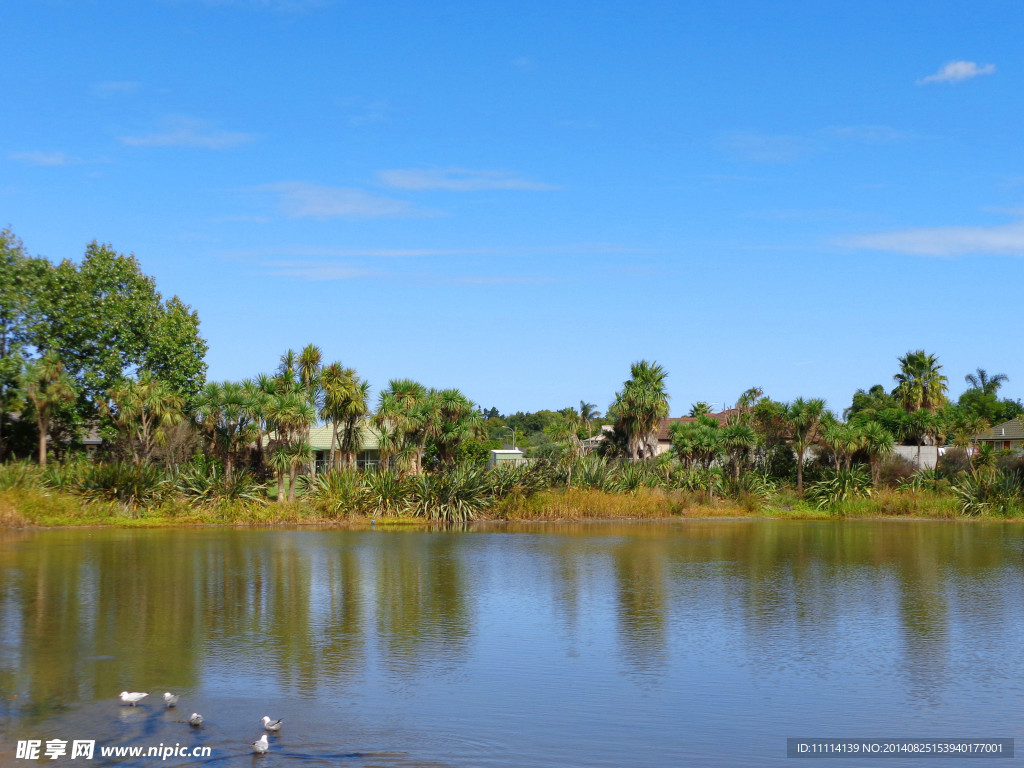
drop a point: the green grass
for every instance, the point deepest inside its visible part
(26, 504)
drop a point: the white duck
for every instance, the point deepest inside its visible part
(132, 698)
(196, 719)
(171, 699)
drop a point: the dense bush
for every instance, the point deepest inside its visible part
(838, 487)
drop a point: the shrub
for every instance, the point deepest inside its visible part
(893, 470)
(19, 474)
(386, 494)
(124, 483)
(1000, 493)
(204, 481)
(451, 496)
(838, 487)
(337, 491)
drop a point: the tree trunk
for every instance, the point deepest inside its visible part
(44, 427)
(799, 470)
(280, 485)
(293, 475)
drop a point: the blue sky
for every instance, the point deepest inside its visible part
(519, 199)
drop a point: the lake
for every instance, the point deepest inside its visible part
(607, 644)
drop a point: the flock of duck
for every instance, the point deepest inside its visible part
(260, 746)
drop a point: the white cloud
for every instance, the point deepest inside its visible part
(956, 71)
(51, 159)
(457, 180)
(1007, 239)
(186, 132)
(300, 200)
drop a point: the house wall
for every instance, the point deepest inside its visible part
(929, 455)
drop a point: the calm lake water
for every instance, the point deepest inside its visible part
(703, 643)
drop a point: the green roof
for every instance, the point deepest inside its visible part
(320, 438)
(1008, 430)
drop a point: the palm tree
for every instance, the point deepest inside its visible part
(739, 440)
(291, 415)
(878, 442)
(640, 407)
(987, 384)
(843, 439)
(588, 414)
(309, 370)
(566, 430)
(47, 387)
(407, 414)
(803, 418)
(966, 429)
(343, 399)
(919, 384)
(145, 409)
(700, 409)
(459, 421)
(353, 420)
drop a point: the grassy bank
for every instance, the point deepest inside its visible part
(24, 507)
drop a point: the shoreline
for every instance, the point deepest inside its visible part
(32, 509)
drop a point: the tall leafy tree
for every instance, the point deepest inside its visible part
(21, 281)
(47, 387)
(639, 408)
(106, 321)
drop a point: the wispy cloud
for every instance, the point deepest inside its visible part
(868, 134)
(318, 272)
(113, 87)
(187, 132)
(301, 200)
(761, 148)
(51, 159)
(957, 71)
(274, 5)
(1007, 239)
(363, 112)
(319, 252)
(524, 64)
(501, 280)
(457, 180)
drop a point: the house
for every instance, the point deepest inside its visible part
(1008, 436)
(664, 430)
(320, 441)
(665, 426)
(513, 456)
